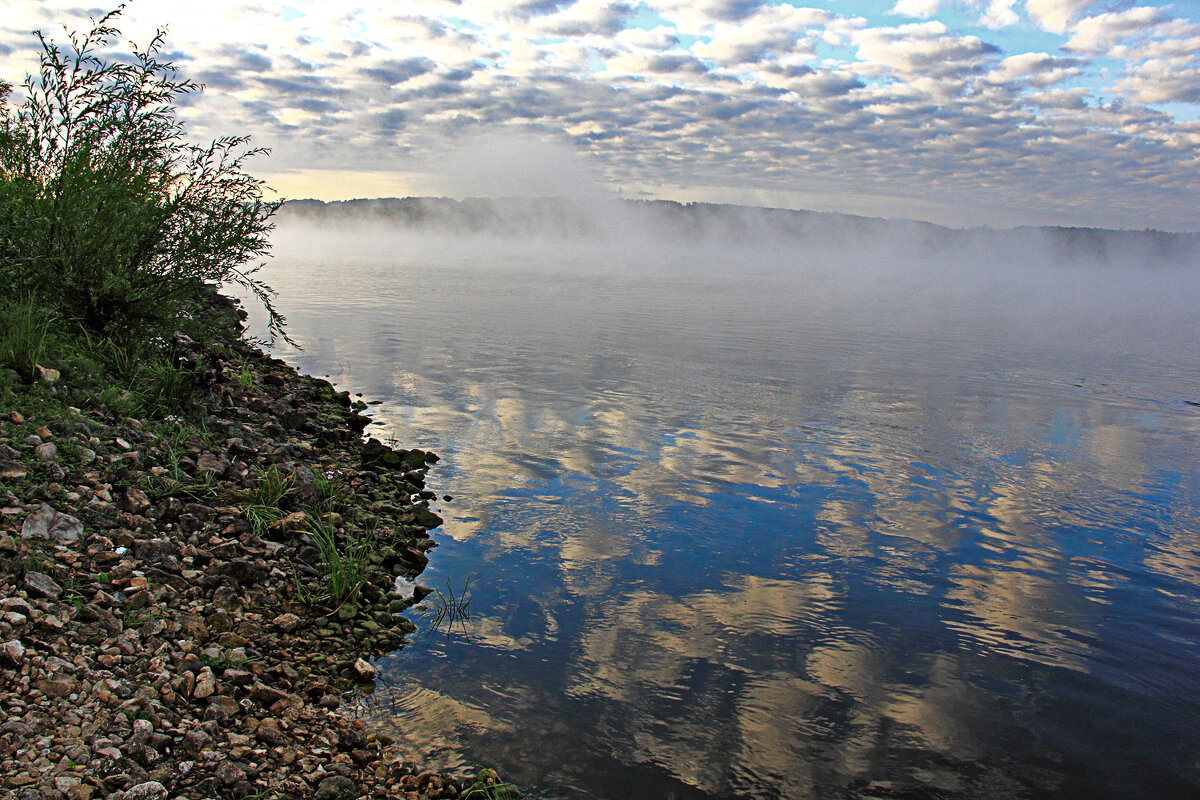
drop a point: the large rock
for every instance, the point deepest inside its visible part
(150, 790)
(336, 787)
(206, 684)
(12, 653)
(304, 486)
(43, 585)
(215, 465)
(425, 518)
(46, 523)
(365, 670)
(12, 469)
(287, 622)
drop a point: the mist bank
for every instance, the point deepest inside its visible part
(662, 223)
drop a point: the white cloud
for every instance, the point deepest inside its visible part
(999, 14)
(1172, 39)
(925, 49)
(1034, 69)
(916, 8)
(1061, 99)
(699, 16)
(770, 32)
(1056, 15)
(1097, 34)
(1162, 81)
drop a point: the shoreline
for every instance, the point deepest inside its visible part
(168, 621)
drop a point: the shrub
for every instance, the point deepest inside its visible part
(106, 211)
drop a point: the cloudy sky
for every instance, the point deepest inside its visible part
(962, 112)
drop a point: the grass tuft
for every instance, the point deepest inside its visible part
(488, 786)
(24, 333)
(270, 487)
(347, 566)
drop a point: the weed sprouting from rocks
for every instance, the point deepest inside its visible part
(347, 566)
(488, 786)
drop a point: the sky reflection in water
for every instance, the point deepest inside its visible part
(768, 530)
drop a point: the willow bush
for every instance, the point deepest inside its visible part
(108, 214)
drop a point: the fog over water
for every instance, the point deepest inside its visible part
(779, 505)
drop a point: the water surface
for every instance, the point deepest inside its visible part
(772, 523)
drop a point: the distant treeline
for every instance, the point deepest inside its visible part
(708, 222)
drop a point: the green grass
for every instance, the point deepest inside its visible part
(346, 566)
(260, 517)
(488, 786)
(262, 499)
(270, 487)
(163, 388)
(332, 491)
(24, 336)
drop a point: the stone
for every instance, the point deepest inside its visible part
(287, 622)
(243, 571)
(207, 462)
(150, 790)
(42, 585)
(81, 791)
(267, 696)
(206, 684)
(238, 677)
(426, 518)
(221, 706)
(295, 521)
(46, 523)
(17, 604)
(269, 732)
(48, 451)
(336, 787)
(304, 486)
(229, 773)
(56, 688)
(136, 500)
(365, 670)
(12, 653)
(12, 470)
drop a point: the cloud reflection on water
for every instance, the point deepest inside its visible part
(799, 563)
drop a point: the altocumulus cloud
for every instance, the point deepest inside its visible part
(969, 112)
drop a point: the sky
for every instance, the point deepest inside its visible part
(959, 112)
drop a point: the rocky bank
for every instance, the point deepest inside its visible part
(166, 623)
